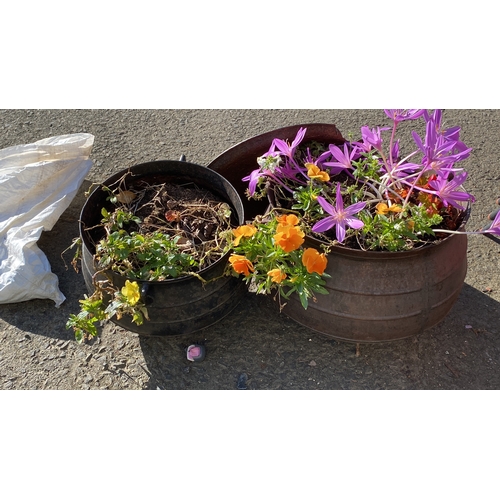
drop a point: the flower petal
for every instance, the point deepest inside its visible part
(327, 207)
(355, 208)
(354, 223)
(314, 261)
(340, 232)
(323, 225)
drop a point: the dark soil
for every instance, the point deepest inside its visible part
(193, 214)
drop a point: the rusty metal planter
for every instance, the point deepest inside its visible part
(373, 296)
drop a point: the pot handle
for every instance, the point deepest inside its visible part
(146, 297)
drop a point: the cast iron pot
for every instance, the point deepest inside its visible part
(181, 305)
(373, 296)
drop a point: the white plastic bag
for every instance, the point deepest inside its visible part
(37, 183)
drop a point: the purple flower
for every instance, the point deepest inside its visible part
(289, 169)
(400, 115)
(317, 161)
(344, 158)
(286, 149)
(448, 190)
(441, 148)
(395, 150)
(495, 226)
(339, 216)
(253, 180)
(373, 137)
(269, 166)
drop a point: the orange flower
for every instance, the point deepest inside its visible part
(314, 172)
(288, 220)
(241, 264)
(314, 261)
(384, 209)
(277, 275)
(246, 231)
(289, 238)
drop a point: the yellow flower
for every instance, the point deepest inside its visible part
(289, 238)
(314, 172)
(277, 275)
(314, 261)
(384, 209)
(131, 292)
(246, 231)
(241, 264)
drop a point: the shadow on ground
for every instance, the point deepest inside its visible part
(259, 349)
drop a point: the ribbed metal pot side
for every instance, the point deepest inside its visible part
(385, 296)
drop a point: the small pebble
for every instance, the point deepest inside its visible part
(242, 382)
(195, 353)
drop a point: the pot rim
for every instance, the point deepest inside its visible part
(278, 133)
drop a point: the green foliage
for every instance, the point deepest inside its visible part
(367, 167)
(154, 256)
(397, 232)
(272, 266)
(150, 257)
(84, 324)
(118, 219)
(303, 283)
(99, 307)
(305, 199)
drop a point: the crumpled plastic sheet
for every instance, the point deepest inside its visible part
(37, 183)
